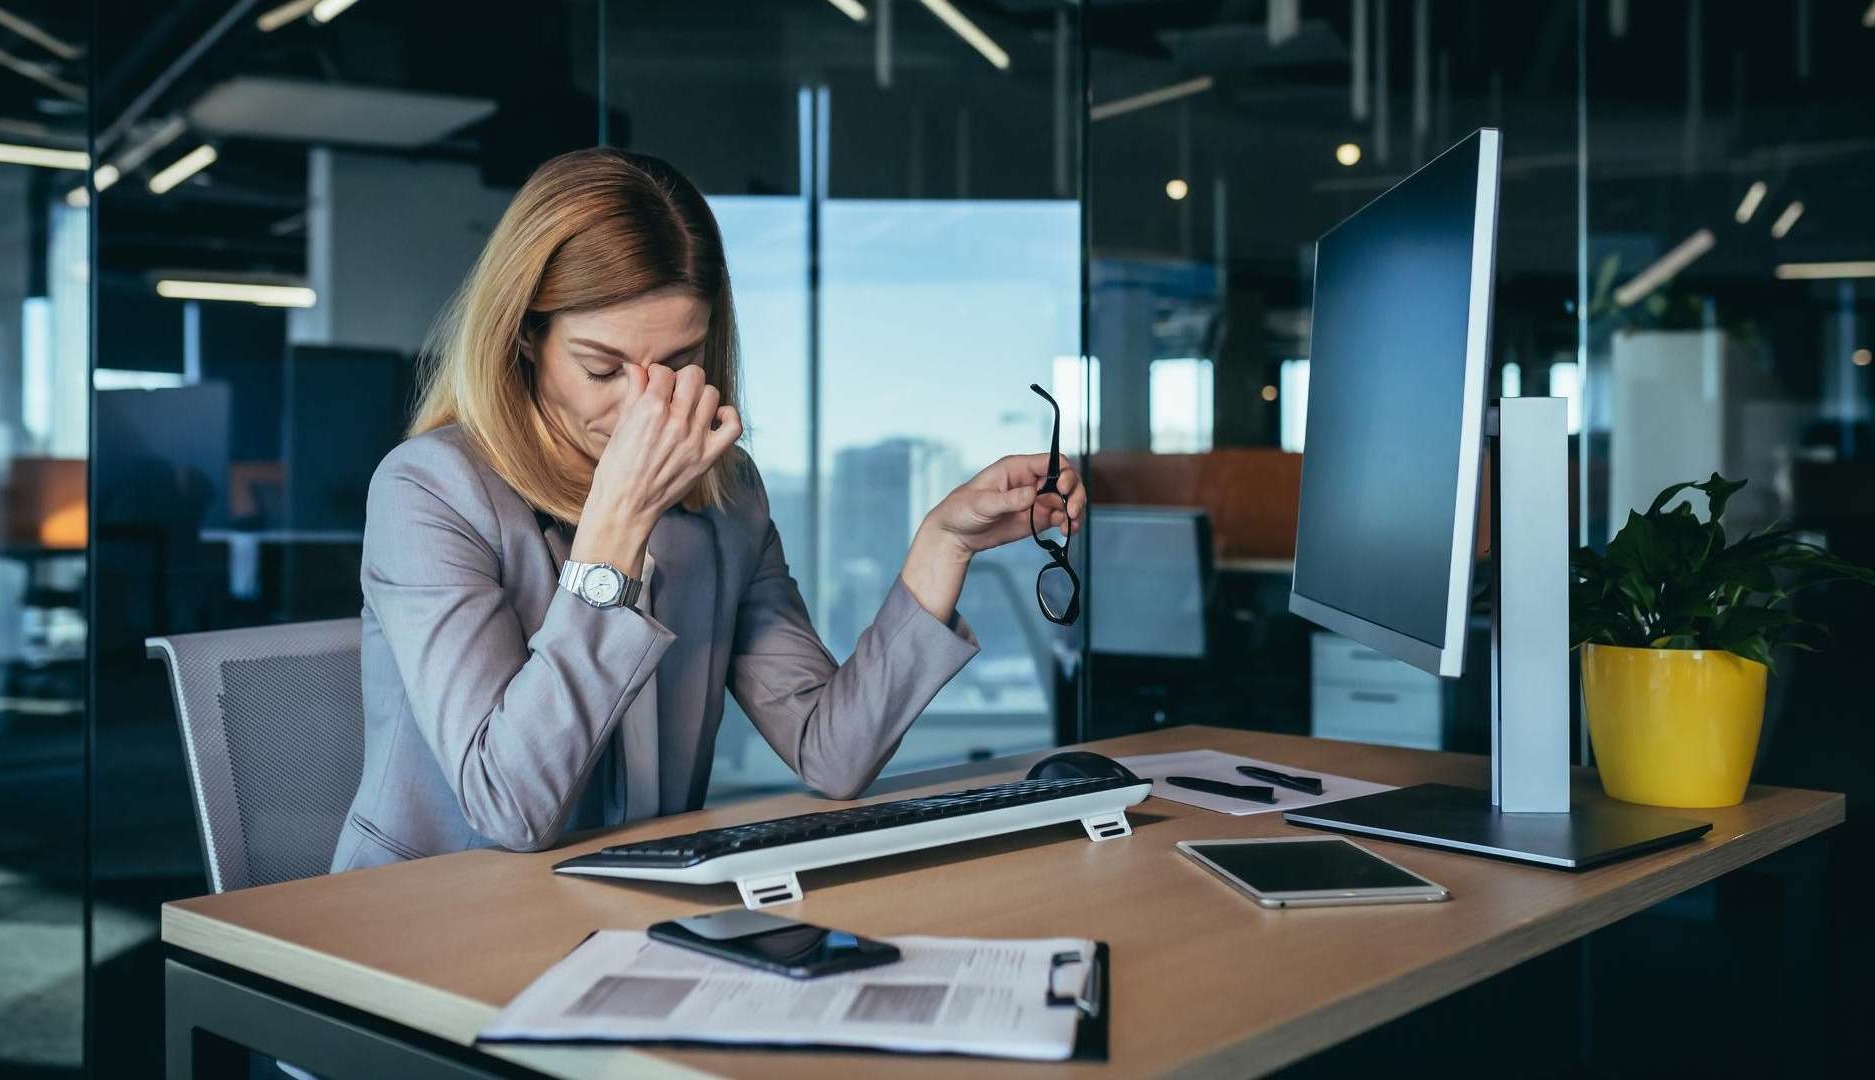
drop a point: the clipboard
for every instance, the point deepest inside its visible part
(1091, 995)
(1093, 999)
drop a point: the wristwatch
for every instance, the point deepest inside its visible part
(600, 584)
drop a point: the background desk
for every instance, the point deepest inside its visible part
(435, 947)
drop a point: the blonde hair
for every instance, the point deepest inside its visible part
(589, 229)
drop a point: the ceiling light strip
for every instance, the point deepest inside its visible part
(298, 296)
(1786, 220)
(1664, 268)
(44, 156)
(62, 49)
(285, 13)
(182, 168)
(969, 31)
(1822, 271)
(41, 75)
(1748, 205)
(326, 10)
(1121, 106)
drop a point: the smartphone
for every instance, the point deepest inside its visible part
(796, 949)
(1310, 871)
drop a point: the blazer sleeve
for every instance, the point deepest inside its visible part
(516, 721)
(836, 725)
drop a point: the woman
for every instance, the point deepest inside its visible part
(569, 561)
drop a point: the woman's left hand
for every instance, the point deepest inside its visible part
(992, 508)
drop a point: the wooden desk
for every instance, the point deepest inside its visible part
(436, 946)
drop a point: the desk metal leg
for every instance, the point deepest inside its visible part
(202, 1003)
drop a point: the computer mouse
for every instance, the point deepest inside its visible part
(1078, 764)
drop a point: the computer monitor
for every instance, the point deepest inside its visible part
(344, 409)
(1388, 519)
(1397, 364)
(1152, 564)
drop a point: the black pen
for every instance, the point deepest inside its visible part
(1247, 792)
(1308, 784)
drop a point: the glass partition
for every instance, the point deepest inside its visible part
(927, 207)
(296, 194)
(1223, 140)
(900, 208)
(1728, 329)
(45, 341)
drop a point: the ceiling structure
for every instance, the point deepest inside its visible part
(1689, 103)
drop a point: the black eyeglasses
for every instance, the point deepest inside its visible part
(1057, 587)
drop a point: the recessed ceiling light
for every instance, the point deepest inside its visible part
(1176, 189)
(1348, 153)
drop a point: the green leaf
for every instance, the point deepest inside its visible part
(1719, 491)
(1753, 649)
(1666, 496)
(1670, 580)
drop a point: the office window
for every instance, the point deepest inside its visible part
(936, 318)
(1181, 405)
(1565, 382)
(904, 241)
(1293, 383)
(1066, 382)
(1510, 380)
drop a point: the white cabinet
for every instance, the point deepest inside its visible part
(1361, 695)
(1686, 404)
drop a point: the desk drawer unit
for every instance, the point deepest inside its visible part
(1365, 696)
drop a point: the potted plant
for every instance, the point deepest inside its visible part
(1677, 628)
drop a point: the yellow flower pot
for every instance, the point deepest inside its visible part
(1673, 727)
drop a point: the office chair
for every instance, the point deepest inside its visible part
(272, 722)
(1149, 580)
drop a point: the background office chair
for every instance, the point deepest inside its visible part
(1150, 578)
(272, 724)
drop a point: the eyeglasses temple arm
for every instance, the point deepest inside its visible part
(1054, 440)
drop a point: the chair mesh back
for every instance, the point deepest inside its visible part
(295, 748)
(272, 721)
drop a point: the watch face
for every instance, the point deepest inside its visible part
(602, 585)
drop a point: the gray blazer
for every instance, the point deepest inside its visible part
(494, 699)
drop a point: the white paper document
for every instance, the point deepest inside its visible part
(1217, 765)
(946, 995)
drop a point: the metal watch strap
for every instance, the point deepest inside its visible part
(572, 573)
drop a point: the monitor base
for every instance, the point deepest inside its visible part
(1596, 830)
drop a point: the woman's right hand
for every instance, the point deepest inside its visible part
(672, 427)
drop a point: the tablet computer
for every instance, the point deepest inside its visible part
(1310, 871)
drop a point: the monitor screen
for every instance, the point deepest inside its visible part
(345, 409)
(1150, 565)
(1395, 407)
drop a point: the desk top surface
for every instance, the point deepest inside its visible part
(439, 944)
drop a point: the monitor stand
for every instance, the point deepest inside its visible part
(1527, 815)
